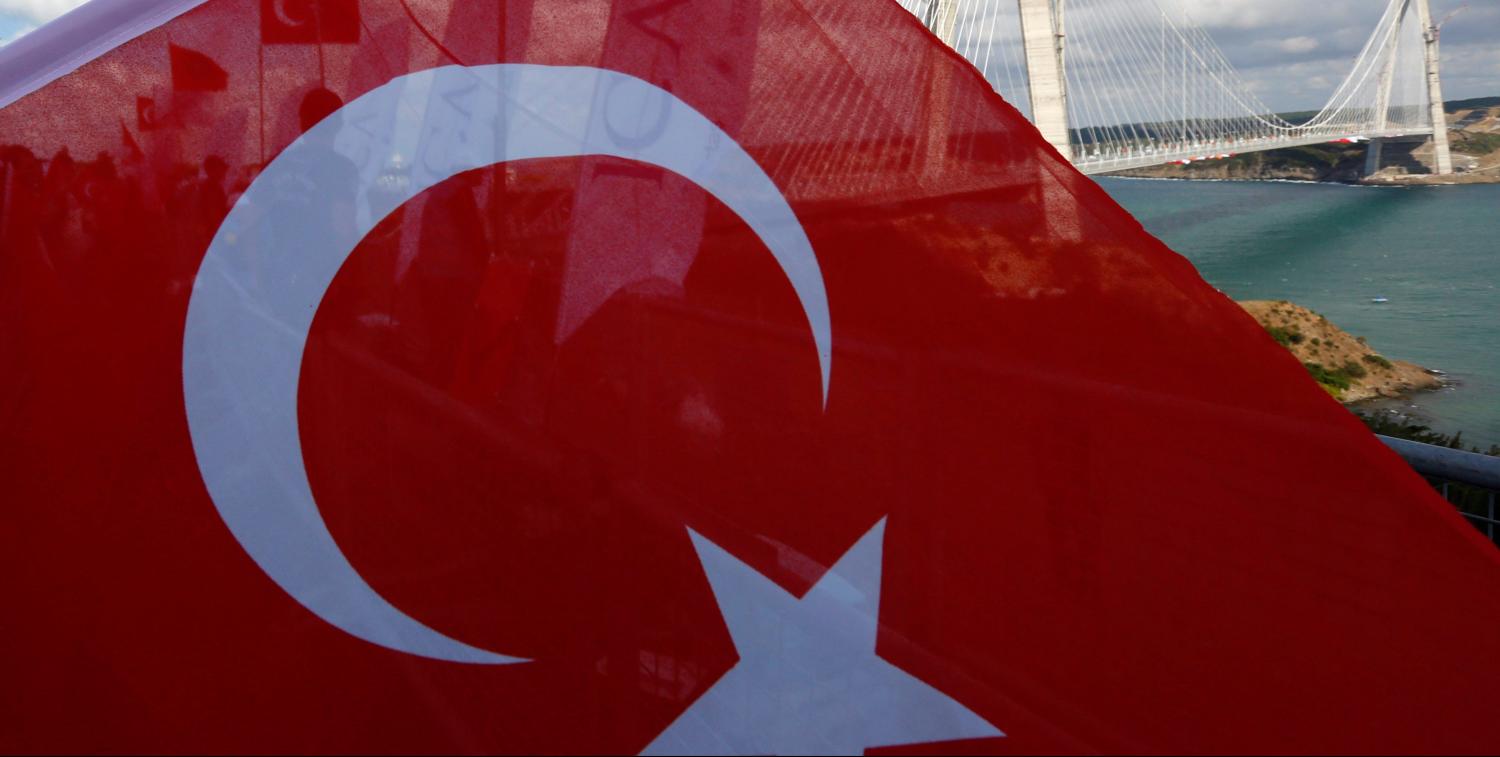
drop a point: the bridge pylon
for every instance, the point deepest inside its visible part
(1376, 148)
(1442, 160)
(1042, 37)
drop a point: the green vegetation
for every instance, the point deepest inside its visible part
(1403, 427)
(1334, 379)
(1317, 157)
(1318, 160)
(1286, 337)
(1378, 360)
(1476, 143)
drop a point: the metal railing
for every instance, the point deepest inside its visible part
(1469, 481)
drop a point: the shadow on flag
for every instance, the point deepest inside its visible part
(307, 22)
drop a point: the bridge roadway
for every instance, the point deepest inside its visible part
(1112, 160)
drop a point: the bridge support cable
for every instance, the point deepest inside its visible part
(1118, 84)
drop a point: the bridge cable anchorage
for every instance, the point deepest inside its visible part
(1121, 84)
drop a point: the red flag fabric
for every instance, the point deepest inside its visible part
(608, 376)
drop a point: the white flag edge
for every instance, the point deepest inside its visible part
(71, 41)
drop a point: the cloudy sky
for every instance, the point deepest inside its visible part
(1293, 52)
(18, 17)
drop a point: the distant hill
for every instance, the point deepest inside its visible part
(1086, 136)
(1449, 106)
(1453, 106)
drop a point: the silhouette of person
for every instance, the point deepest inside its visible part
(436, 296)
(315, 199)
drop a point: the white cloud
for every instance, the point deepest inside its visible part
(40, 11)
(1290, 53)
(1293, 52)
(1298, 45)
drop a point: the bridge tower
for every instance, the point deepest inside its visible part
(1376, 149)
(1442, 160)
(1042, 38)
(1441, 157)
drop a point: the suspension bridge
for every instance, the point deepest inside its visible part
(1121, 84)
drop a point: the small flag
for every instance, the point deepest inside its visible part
(193, 71)
(308, 22)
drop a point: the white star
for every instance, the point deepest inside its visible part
(808, 680)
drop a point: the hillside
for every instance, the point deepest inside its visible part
(1344, 364)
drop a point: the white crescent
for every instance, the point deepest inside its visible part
(265, 273)
(279, 8)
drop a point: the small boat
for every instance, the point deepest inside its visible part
(1380, 299)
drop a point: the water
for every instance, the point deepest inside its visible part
(1433, 251)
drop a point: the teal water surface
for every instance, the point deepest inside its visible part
(1434, 252)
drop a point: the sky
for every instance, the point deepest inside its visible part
(1291, 52)
(17, 17)
(1294, 52)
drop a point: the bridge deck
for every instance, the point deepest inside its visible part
(1155, 156)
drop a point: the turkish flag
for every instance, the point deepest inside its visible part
(667, 376)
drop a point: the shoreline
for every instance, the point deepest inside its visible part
(1406, 396)
(1346, 366)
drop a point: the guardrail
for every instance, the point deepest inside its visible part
(1469, 481)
